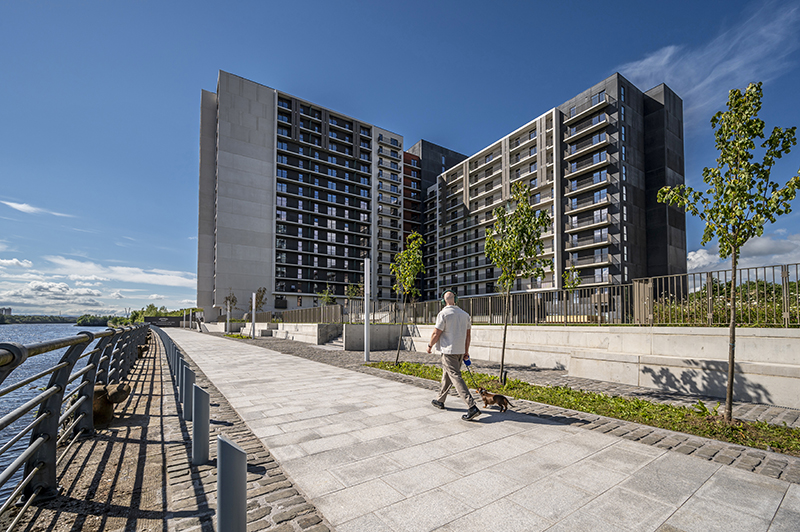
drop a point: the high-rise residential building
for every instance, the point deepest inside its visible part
(595, 164)
(294, 196)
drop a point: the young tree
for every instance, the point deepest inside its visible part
(230, 300)
(406, 267)
(261, 299)
(514, 245)
(327, 297)
(572, 280)
(740, 198)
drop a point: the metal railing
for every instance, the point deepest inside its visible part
(64, 406)
(766, 296)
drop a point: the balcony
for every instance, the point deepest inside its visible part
(588, 242)
(603, 259)
(587, 203)
(598, 161)
(595, 124)
(592, 223)
(586, 109)
(576, 152)
(576, 188)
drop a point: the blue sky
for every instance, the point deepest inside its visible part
(100, 116)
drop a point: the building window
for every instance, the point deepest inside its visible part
(625, 253)
(624, 233)
(624, 213)
(621, 93)
(283, 131)
(533, 167)
(624, 193)
(624, 158)
(280, 257)
(623, 133)
(280, 271)
(281, 187)
(282, 172)
(280, 215)
(622, 112)
(488, 158)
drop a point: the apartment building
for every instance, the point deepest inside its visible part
(594, 164)
(294, 196)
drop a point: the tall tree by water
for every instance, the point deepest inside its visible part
(514, 245)
(406, 267)
(741, 198)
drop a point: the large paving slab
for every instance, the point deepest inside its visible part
(372, 454)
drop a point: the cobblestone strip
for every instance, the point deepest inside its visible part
(273, 503)
(771, 464)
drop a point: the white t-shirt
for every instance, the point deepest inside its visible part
(454, 324)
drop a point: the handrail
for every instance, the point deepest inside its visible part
(59, 403)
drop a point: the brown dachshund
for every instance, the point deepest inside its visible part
(494, 399)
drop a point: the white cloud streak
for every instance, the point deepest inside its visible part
(24, 263)
(30, 209)
(156, 297)
(91, 271)
(759, 48)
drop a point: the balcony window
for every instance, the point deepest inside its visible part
(394, 142)
(280, 257)
(599, 97)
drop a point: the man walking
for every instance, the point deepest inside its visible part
(452, 333)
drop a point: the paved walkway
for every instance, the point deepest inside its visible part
(372, 454)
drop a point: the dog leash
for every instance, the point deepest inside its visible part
(468, 363)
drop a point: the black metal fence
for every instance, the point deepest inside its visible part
(767, 296)
(64, 405)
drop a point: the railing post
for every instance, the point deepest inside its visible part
(785, 294)
(710, 296)
(86, 423)
(45, 436)
(231, 486)
(200, 425)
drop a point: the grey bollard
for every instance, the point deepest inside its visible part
(231, 486)
(188, 393)
(200, 425)
(179, 379)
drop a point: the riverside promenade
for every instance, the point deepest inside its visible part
(371, 454)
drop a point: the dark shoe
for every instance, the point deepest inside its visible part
(438, 404)
(471, 414)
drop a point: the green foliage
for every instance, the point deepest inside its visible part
(408, 265)
(514, 242)
(697, 420)
(572, 279)
(327, 296)
(261, 297)
(35, 319)
(354, 291)
(230, 300)
(741, 198)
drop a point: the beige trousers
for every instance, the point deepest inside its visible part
(451, 375)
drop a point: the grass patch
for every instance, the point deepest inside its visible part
(240, 336)
(698, 420)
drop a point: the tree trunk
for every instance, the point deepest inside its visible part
(505, 330)
(402, 326)
(731, 345)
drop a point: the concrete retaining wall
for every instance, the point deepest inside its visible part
(219, 327)
(309, 333)
(689, 360)
(382, 337)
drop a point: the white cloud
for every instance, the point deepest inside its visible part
(701, 260)
(91, 271)
(24, 263)
(83, 283)
(43, 292)
(156, 296)
(116, 295)
(30, 209)
(758, 49)
(188, 301)
(192, 238)
(74, 277)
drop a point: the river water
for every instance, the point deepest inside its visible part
(28, 334)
